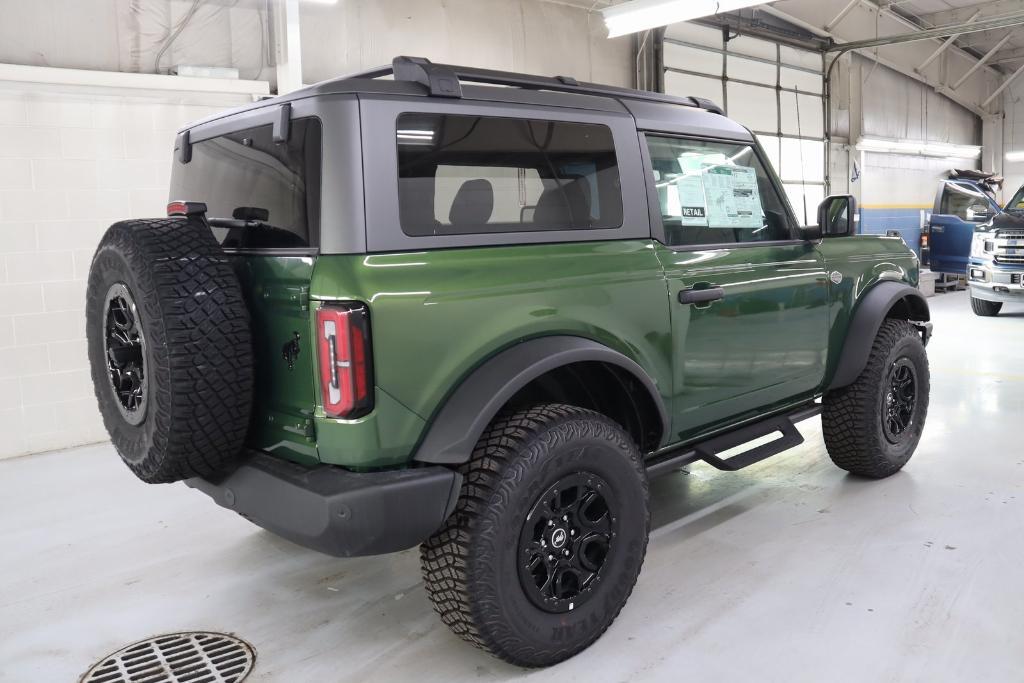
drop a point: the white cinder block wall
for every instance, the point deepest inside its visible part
(70, 164)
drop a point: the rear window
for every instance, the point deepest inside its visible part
(247, 175)
(462, 174)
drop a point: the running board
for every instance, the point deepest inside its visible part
(711, 451)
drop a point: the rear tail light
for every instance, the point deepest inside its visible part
(346, 370)
(186, 209)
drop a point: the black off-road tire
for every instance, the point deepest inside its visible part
(470, 566)
(197, 351)
(986, 308)
(853, 420)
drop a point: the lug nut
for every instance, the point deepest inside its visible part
(566, 552)
(572, 532)
(551, 558)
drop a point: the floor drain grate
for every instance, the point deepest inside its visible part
(194, 657)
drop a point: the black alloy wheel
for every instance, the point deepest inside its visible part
(124, 346)
(900, 400)
(566, 541)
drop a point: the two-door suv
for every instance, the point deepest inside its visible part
(389, 312)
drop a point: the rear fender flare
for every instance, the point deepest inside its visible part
(457, 427)
(874, 307)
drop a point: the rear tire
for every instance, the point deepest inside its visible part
(169, 348)
(986, 308)
(547, 539)
(873, 426)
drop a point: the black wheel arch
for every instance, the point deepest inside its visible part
(457, 426)
(885, 300)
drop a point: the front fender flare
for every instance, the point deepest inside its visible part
(457, 427)
(872, 310)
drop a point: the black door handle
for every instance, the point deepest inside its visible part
(701, 296)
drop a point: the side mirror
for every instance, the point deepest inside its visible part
(836, 215)
(978, 213)
(810, 233)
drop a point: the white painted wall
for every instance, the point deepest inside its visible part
(530, 36)
(71, 163)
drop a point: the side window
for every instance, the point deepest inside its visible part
(461, 174)
(715, 193)
(963, 202)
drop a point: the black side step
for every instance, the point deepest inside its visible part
(709, 450)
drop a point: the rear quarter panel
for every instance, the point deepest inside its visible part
(437, 315)
(863, 261)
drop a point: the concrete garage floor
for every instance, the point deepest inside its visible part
(788, 571)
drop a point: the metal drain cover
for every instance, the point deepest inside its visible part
(193, 657)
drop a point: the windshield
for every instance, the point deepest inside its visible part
(1017, 203)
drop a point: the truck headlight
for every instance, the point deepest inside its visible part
(978, 245)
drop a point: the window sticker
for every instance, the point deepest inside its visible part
(732, 197)
(692, 203)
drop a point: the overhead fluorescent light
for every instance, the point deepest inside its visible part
(641, 15)
(919, 148)
(1017, 155)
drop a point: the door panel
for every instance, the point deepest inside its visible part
(762, 345)
(952, 224)
(276, 291)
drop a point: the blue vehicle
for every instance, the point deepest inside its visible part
(995, 270)
(962, 203)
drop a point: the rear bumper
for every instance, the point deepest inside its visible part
(336, 511)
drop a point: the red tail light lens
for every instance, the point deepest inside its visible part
(346, 370)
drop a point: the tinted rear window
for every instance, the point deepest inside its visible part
(462, 174)
(246, 170)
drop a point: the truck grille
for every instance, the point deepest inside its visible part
(1009, 248)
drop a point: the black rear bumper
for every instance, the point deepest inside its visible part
(336, 511)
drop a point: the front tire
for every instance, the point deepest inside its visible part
(984, 308)
(547, 539)
(873, 426)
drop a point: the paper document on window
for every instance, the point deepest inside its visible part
(692, 204)
(732, 197)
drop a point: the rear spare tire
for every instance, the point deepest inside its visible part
(170, 348)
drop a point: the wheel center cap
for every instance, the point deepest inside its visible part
(558, 538)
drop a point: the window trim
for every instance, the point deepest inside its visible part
(383, 228)
(654, 206)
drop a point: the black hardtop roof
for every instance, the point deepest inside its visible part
(415, 76)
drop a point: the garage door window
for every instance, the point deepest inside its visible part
(715, 193)
(477, 174)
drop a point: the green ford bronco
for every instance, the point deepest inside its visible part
(424, 310)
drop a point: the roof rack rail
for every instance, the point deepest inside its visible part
(444, 80)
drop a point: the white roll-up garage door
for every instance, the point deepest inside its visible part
(775, 90)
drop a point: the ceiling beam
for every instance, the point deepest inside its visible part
(926, 34)
(981, 62)
(905, 70)
(942, 48)
(842, 15)
(1005, 84)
